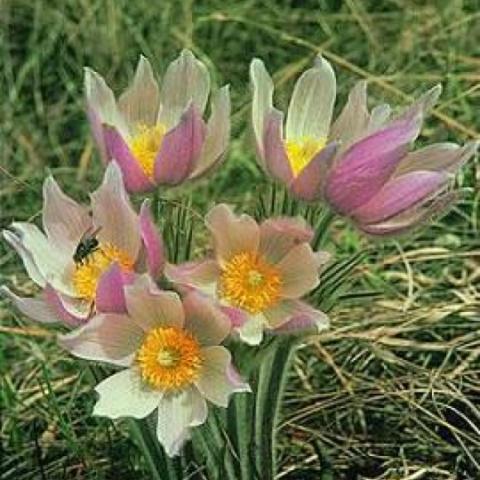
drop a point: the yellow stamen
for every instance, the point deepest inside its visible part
(249, 282)
(169, 358)
(146, 144)
(88, 272)
(301, 152)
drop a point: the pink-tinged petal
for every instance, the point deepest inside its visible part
(353, 119)
(36, 309)
(27, 258)
(53, 261)
(279, 235)
(111, 338)
(261, 102)
(186, 81)
(309, 184)
(367, 165)
(150, 307)
(422, 105)
(65, 308)
(294, 316)
(217, 134)
(208, 323)
(177, 413)
(125, 394)
(237, 316)
(440, 157)
(152, 240)
(232, 234)
(114, 214)
(195, 275)
(180, 149)
(100, 99)
(214, 382)
(276, 159)
(378, 118)
(411, 218)
(140, 102)
(96, 128)
(298, 271)
(134, 177)
(64, 220)
(110, 297)
(399, 195)
(311, 106)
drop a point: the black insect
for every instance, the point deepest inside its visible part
(87, 245)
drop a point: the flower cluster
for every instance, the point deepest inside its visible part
(100, 268)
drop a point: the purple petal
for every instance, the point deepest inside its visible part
(133, 175)
(366, 166)
(276, 159)
(55, 301)
(237, 316)
(110, 297)
(399, 195)
(180, 148)
(153, 242)
(309, 184)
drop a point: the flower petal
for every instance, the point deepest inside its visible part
(68, 310)
(124, 394)
(113, 213)
(150, 307)
(140, 102)
(180, 148)
(237, 316)
(298, 271)
(279, 235)
(251, 331)
(110, 297)
(309, 184)
(207, 322)
(111, 338)
(217, 134)
(262, 101)
(154, 247)
(422, 105)
(399, 195)
(64, 220)
(378, 118)
(176, 414)
(276, 158)
(199, 275)
(133, 175)
(311, 106)
(186, 80)
(232, 234)
(366, 166)
(214, 382)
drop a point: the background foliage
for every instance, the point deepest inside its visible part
(391, 392)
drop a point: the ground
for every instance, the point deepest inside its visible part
(391, 391)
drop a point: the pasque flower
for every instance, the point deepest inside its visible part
(259, 273)
(157, 135)
(82, 259)
(173, 359)
(361, 165)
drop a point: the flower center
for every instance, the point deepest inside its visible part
(146, 144)
(88, 272)
(169, 358)
(248, 282)
(301, 152)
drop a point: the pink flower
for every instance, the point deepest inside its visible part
(172, 358)
(122, 244)
(158, 136)
(259, 273)
(361, 165)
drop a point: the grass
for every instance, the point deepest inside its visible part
(391, 392)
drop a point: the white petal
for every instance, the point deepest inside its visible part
(125, 395)
(311, 106)
(176, 414)
(114, 215)
(251, 332)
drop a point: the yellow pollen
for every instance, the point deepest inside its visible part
(146, 144)
(88, 272)
(249, 282)
(301, 152)
(169, 358)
